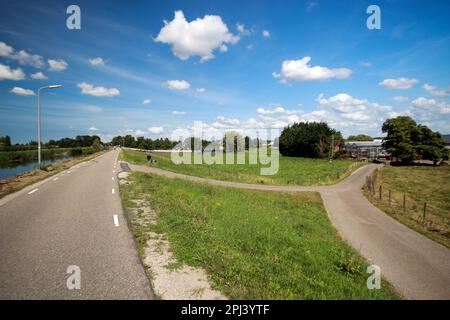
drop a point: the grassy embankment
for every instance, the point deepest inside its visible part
(292, 171)
(420, 184)
(253, 244)
(20, 181)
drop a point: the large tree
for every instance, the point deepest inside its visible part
(310, 139)
(406, 140)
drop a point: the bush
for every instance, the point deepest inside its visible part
(309, 139)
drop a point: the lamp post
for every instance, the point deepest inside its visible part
(56, 86)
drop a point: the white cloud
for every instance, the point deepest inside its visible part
(431, 106)
(57, 65)
(91, 108)
(242, 30)
(93, 129)
(400, 99)
(266, 34)
(23, 57)
(5, 50)
(177, 84)
(200, 90)
(178, 113)
(146, 101)
(365, 64)
(87, 88)
(155, 130)
(97, 61)
(22, 92)
(6, 73)
(299, 70)
(401, 83)
(196, 38)
(435, 92)
(38, 76)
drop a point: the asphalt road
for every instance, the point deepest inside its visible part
(416, 266)
(72, 219)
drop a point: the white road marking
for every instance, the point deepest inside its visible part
(114, 171)
(33, 191)
(112, 178)
(55, 179)
(116, 220)
(69, 171)
(113, 191)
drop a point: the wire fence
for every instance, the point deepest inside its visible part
(425, 213)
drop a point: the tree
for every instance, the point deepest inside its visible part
(430, 145)
(405, 140)
(360, 137)
(399, 141)
(5, 142)
(233, 142)
(309, 139)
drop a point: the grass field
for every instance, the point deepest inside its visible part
(420, 184)
(253, 244)
(292, 171)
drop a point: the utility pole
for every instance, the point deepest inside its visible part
(39, 118)
(332, 147)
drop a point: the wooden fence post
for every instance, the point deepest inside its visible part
(404, 202)
(381, 193)
(424, 211)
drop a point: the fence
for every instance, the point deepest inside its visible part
(420, 212)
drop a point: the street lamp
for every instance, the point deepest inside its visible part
(56, 86)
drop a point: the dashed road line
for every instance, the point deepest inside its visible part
(113, 191)
(33, 191)
(116, 220)
(112, 178)
(55, 179)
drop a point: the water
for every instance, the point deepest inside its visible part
(11, 169)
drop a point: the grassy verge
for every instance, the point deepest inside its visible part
(20, 181)
(292, 171)
(253, 244)
(420, 184)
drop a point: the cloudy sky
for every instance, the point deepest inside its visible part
(153, 68)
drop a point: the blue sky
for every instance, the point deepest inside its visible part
(248, 65)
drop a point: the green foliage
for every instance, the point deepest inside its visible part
(309, 139)
(360, 137)
(406, 140)
(143, 143)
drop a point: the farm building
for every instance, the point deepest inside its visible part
(361, 150)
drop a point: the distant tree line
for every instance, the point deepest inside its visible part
(359, 137)
(78, 142)
(143, 143)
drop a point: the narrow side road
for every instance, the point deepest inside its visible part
(73, 219)
(416, 266)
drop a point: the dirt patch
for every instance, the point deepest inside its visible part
(171, 280)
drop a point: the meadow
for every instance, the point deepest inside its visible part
(253, 244)
(292, 171)
(419, 184)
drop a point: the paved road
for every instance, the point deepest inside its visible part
(417, 267)
(66, 220)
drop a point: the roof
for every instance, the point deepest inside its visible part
(364, 143)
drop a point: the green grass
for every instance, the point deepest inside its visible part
(292, 171)
(420, 184)
(254, 244)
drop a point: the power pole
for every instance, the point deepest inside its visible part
(332, 147)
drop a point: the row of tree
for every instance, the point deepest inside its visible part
(143, 143)
(77, 142)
